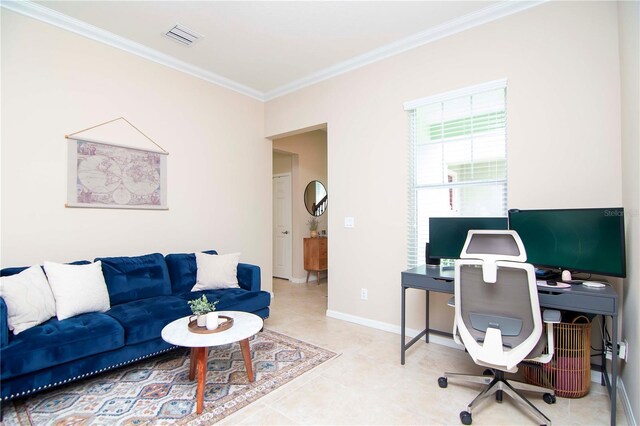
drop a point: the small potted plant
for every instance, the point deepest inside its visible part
(313, 227)
(200, 308)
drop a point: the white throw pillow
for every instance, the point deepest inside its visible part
(28, 298)
(78, 289)
(216, 271)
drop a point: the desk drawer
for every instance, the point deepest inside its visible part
(431, 284)
(578, 302)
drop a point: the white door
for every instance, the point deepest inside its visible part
(282, 226)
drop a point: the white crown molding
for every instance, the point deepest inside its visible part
(44, 14)
(483, 16)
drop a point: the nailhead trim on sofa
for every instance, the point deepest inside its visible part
(9, 397)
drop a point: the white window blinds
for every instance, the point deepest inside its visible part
(458, 159)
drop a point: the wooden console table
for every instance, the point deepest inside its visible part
(315, 256)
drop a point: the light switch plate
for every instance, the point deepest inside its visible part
(349, 222)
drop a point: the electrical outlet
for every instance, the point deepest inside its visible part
(364, 295)
(623, 351)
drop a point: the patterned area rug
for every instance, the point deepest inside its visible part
(158, 390)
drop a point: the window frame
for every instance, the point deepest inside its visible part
(414, 252)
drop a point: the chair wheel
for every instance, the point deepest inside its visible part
(442, 382)
(548, 398)
(465, 417)
(487, 372)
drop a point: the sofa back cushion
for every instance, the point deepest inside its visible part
(134, 278)
(183, 270)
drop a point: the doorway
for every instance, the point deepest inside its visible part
(282, 229)
(304, 157)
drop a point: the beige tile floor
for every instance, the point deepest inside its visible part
(366, 385)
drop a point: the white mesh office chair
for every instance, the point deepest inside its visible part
(497, 317)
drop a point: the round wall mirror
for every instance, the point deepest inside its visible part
(315, 198)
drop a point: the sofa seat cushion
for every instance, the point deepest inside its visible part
(233, 299)
(55, 342)
(144, 319)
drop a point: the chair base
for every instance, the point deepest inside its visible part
(497, 384)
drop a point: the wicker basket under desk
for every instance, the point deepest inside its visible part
(569, 371)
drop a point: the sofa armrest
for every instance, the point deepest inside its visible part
(4, 325)
(249, 276)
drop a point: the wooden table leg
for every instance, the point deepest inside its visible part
(202, 378)
(192, 363)
(308, 273)
(246, 354)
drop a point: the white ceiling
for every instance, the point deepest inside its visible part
(267, 48)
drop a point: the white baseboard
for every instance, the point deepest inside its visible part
(624, 398)
(295, 280)
(302, 280)
(384, 326)
(448, 341)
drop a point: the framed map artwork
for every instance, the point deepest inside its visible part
(111, 176)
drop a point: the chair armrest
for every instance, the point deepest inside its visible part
(456, 335)
(249, 276)
(551, 316)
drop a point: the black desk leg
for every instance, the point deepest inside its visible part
(426, 336)
(603, 357)
(612, 385)
(402, 323)
(614, 368)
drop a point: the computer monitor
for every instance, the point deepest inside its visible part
(580, 240)
(448, 234)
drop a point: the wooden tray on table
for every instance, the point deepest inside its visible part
(222, 326)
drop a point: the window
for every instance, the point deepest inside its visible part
(458, 158)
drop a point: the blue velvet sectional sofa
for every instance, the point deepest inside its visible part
(146, 293)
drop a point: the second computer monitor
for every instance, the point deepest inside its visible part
(448, 234)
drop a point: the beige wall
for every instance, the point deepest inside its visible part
(308, 153)
(629, 16)
(281, 163)
(219, 168)
(563, 126)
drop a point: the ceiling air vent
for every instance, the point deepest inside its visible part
(183, 35)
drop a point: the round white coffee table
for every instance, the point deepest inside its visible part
(244, 326)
